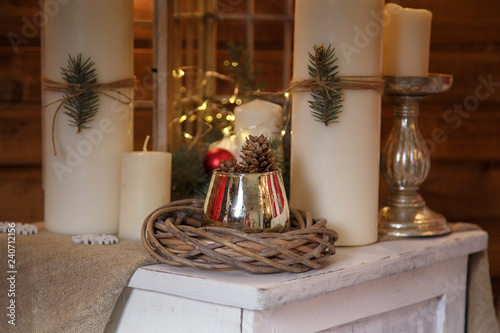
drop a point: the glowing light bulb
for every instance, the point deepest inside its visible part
(178, 73)
(203, 106)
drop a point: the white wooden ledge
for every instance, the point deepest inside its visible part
(410, 285)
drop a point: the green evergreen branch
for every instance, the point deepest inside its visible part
(327, 103)
(188, 174)
(81, 104)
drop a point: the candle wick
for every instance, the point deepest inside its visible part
(145, 146)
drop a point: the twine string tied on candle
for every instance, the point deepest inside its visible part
(326, 85)
(350, 82)
(331, 82)
(107, 89)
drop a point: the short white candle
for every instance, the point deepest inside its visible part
(255, 118)
(145, 186)
(335, 168)
(82, 182)
(407, 40)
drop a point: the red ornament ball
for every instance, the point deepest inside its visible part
(214, 156)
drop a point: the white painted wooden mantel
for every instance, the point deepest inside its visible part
(410, 285)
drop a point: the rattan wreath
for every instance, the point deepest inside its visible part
(173, 235)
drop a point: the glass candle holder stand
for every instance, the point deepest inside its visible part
(405, 160)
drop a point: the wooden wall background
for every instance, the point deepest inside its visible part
(462, 125)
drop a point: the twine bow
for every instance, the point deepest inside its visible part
(106, 89)
(351, 82)
(326, 86)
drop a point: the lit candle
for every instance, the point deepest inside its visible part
(145, 186)
(255, 118)
(335, 168)
(407, 39)
(82, 182)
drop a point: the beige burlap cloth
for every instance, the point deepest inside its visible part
(65, 287)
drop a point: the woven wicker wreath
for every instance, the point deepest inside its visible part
(173, 235)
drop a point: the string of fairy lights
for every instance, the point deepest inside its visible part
(207, 109)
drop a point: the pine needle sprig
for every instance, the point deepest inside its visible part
(327, 102)
(188, 174)
(81, 104)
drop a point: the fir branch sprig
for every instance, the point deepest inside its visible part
(81, 104)
(189, 178)
(327, 102)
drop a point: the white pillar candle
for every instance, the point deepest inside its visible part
(335, 168)
(82, 182)
(255, 118)
(228, 142)
(407, 40)
(145, 186)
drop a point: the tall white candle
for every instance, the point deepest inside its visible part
(407, 40)
(335, 168)
(255, 118)
(82, 182)
(145, 186)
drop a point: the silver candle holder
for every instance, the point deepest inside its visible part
(405, 160)
(247, 201)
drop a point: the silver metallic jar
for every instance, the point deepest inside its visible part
(247, 201)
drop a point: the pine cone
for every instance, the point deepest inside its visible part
(257, 155)
(229, 166)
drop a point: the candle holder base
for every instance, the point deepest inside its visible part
(411, 222)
